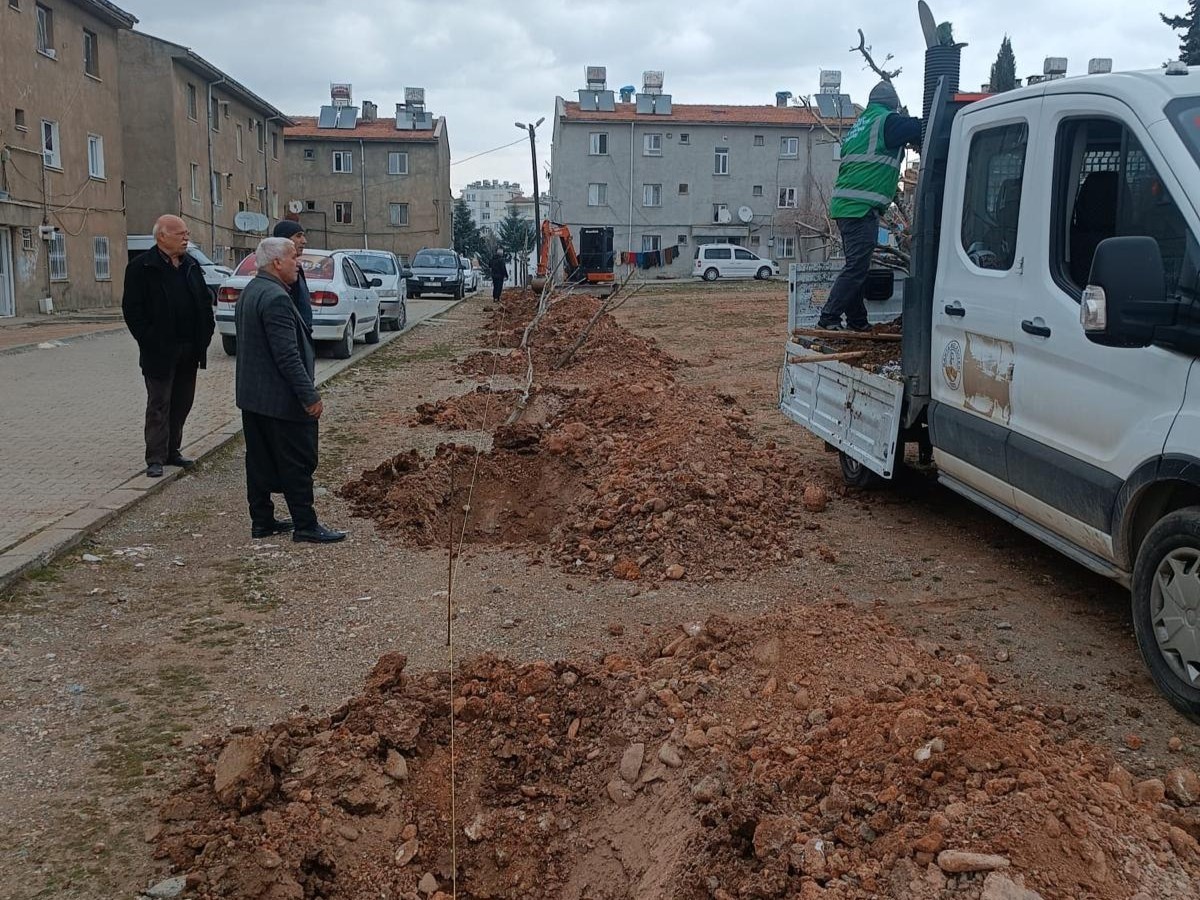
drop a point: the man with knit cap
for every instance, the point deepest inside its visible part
(866, 185)
(294, 231)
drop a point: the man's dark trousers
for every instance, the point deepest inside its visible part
(859, 237)
(168, 401)
(281, 455)
(497, 286)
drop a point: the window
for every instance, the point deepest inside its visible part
(95, 156)
(310, 205)
(58, 256)
(274, 145)
(343, 213)
(397, 163)
(756, 190)
(683, 188)
(787, 248)
(218, 197)
(50, 149)
(214, 115)
(598, 143)
(237, 136)
(487, 216)
(260, 132)
(685, 138)
(487, 204)
(759, 140)
(651, 242)
(196, 182)
(45, 32)
(19, 119)
(191, 101)
(100, 257)
(720, 212)
(310, 153)
(787, 198)
(27, 239)
(721, 162)
(597, 194)
(755, 240)
(398, 214)
(739, 253)
(681, 239)
(789, 147)
(718, 253)
(343, 161)
(1106, 186)
(241, 206)
(652, 145)
(91, 54)
(992, 195)
(15, 4)
(651, 195)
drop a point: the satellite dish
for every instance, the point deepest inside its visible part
(251, 222)
(745, 214)
(295, 206)
(723, 216)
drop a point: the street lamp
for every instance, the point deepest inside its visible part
(537, 203)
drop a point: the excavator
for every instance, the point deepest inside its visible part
(594, 264)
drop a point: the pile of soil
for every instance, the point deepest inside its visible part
(475, 410)
(722, 761)
(621, 472)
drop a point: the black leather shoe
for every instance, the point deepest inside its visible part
(178, 459)
(861, 329)
(318, 534)
(830, 326)
(279, 526)
(154, 470)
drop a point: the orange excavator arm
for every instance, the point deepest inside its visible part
(551, 230)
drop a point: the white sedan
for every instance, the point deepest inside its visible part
(345, 303)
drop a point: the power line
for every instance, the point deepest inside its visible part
(519, 140)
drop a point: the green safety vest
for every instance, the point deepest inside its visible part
(869, 171)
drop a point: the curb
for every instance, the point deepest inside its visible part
(60, 536)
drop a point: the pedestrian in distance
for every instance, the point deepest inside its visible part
(866, 185)
(280, 405)
(499, 272)
(294, 231)
(169, 311)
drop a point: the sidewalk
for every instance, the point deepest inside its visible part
(72, 423)
(26, 332)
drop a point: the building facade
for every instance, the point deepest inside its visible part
(376, 183)
(488, 199)
(525, 207)
(677, 175)
(62, 164)
(199, 145)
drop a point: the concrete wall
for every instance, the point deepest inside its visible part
(81, 207)
(687, 218)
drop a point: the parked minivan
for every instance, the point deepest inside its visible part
(715, 261)
(214, 275)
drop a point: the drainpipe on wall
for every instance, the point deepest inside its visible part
(362, 165)
(630, 247)
(212, 181)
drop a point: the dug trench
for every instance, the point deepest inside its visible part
(815, 752)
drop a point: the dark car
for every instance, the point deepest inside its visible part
(436, 271)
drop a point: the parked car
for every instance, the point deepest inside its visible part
(715, 261)
(436, 271)
(470, 275)
(345, 302)
(393, 289)
(214, 275)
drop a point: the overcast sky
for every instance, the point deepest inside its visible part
(486, 65)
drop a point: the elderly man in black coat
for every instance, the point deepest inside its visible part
(169, 312)
(279, 402)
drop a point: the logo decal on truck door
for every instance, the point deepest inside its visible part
(952, 364)
(987, 377)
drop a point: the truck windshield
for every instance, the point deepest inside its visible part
(1185, 116)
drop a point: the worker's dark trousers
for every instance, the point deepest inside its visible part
(168, 402)
(281, 456)
(497, 287)
(859, 237)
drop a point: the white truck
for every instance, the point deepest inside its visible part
(1051, 327)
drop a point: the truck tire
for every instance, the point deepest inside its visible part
(1166, 608)
(229, 344)
(855, 474)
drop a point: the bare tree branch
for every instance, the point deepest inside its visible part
(886, 75)
(806, 103)
(615, 300)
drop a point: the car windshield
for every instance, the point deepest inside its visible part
(433, 260)
(378, 265)
(198, 255)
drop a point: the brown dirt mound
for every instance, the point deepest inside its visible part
(480, 409)
(725, 761)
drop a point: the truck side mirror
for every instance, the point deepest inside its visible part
(1126, 297)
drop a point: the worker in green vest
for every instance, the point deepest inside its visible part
(866, 184)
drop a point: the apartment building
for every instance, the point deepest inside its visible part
(198, 144)
(525, 207)
(365, 181)
(62, 226)
(667, 174)
(488, 199)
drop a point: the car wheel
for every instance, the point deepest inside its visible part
(402, 321)
(373, 335)
(459, 293)
(345, 346)
(414, 295)
(855, 474)
(1166, 608)
(229, 344)
(763, 274)
(711, 274)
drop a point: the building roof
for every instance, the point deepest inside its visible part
(109, 13)
(699, 114)
(382, 129)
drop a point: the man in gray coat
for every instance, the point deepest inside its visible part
(279, 402)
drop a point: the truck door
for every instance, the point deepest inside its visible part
(1086, 416)
(978, 280)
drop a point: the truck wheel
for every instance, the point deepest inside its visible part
(854, 473)
(1166, 608)
(229, 344)
(711, 274)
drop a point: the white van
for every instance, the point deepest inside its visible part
(214, 275)
(715, 261)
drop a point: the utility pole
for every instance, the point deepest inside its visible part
(537, 200)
